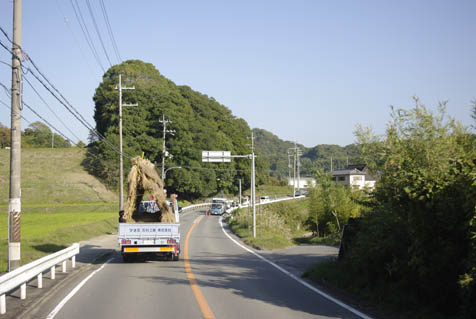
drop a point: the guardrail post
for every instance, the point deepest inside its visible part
(23, 291)
(3, 306)
(40, 280)
(52, 270)
(64, 266)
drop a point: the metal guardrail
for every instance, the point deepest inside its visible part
(192, 207)
(21, 276)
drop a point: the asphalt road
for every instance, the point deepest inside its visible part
(226, 281)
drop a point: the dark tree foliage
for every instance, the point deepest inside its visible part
(200, 123)
(420, 234)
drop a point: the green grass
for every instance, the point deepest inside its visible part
(44, 232)
(277, 224)
(53, 176)
(61, 203)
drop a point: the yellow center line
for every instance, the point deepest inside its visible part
(202, 302)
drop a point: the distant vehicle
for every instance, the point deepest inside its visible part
(245, 201)
(217, 209)
(264, 199)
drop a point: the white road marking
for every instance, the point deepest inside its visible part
(74, 291)
(318, 291)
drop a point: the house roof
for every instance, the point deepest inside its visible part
(363, 168)
(348, 172)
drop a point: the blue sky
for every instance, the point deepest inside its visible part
(305, 70)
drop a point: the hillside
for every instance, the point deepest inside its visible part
(275, 150)
(53, 176)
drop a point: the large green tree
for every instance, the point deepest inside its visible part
(200, 123)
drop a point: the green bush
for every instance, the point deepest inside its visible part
(419, 234)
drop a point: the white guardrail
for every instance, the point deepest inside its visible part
(21, 276)
(193, 207)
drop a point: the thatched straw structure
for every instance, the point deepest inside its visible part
(142, 178)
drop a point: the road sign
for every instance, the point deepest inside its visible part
(216, 156)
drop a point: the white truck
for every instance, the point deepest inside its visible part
(149, 238)
(156, 238)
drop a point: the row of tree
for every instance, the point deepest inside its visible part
(37, 135)
(417, 231)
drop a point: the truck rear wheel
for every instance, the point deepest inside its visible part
(176, 257)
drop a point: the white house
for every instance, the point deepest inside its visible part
(354, 175)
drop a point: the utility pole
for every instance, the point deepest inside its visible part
(121, 165)
(14, 207)
(52, 139)
(164, 152)
(294, 170)
(239, 196)
(331, 166)
(298, 154)
(289, 167)
(253, 190)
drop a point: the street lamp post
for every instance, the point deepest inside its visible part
(168, 169)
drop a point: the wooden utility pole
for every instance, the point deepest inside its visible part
(121, 173)
(14, 206)
(164, 151)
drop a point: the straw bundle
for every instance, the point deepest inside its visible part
(143, 177)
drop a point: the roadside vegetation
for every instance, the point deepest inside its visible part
(47, 229)
(277, 224)
(414, 247)
(61, 203)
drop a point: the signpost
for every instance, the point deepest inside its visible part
(225, 157)
(216, 156)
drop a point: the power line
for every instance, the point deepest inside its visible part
(86, 34)
(97, 31)
(36, 113)
(74, 37)
(109, 29)
(9, 107)
(48, 106)
(72, 110)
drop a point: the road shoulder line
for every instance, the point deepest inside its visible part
(55, 311)
(304, 283)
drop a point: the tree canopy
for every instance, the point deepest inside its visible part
(419, 233)
(199, 123)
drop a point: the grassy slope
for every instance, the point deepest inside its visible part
(278, 225)
(53, 176)
(61, 203)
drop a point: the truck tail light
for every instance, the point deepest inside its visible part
(171, 241)
(125, 242)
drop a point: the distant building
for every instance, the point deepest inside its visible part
(354, 175)
(304, 182)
